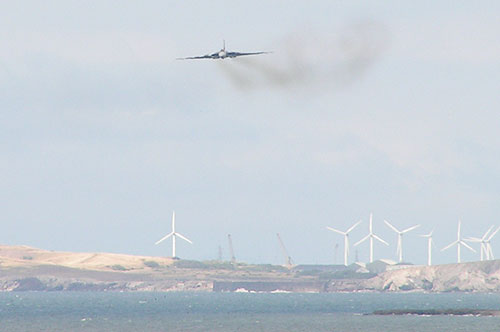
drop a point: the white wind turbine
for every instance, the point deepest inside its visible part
(485, 243)
(371, 236)
(482, 240)
(429, 247)
(346, 239)
(488, 244)
(173, 234)
(399, 250)
(459, 242)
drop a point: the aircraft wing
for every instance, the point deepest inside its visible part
(208, 56)
(236, 54)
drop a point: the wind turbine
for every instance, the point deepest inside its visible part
(371, 236)
(399, 250)
(429, 247)
(459, 242)
(482, 240)
(485, 243)
(173, 234)
(488, 244)
(346, 238)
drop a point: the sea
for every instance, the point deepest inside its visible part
(182, 311)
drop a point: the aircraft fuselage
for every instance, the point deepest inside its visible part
(222, 54)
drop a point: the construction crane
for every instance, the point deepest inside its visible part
(231, 251)
(288, 259)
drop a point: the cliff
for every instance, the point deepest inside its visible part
(468, 277)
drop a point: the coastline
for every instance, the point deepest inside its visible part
(29, 269)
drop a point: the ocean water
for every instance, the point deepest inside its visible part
(123, 312)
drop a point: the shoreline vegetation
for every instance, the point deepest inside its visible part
(24, 268)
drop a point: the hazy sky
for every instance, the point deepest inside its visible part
(390, 107)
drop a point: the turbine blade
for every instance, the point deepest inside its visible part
(493, 234)
(473, 239)
(450, 245)
(467, 246)
(335, 230)
(392, 227)
(173, 221)
(353, 227)
(486, 234)
(410, 228)
(379, 239)
(362, 240)
(164, 238)
(183, 237)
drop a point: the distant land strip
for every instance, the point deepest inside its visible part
(24, 268)
(435, 312)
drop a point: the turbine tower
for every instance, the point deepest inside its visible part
(459, 242)
(429, 247)
(231, 250)
(346, 239)
(173, 234)
(399, 250)
(485, 243)
(371, 236)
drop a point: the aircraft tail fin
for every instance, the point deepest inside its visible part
(223, 44)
